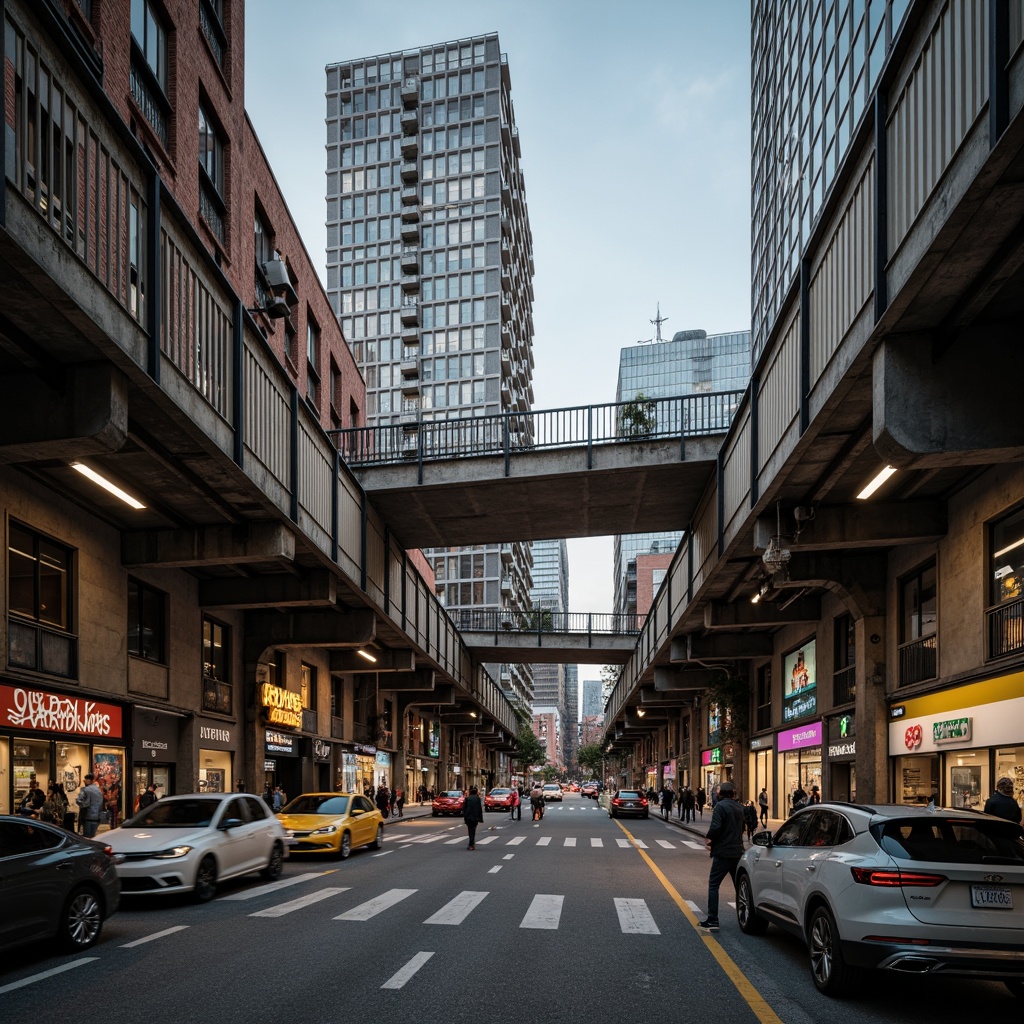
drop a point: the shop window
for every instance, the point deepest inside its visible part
(39, 587)
(918, 648)
(216, 667)
(1006, 581)
(844, 676)
(147, 621)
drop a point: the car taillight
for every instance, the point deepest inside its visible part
(108, 850)
(643, 801)
(895, 879)
(616, 800)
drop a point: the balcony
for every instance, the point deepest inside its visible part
(411, 336)
(410, 121)
(410, 171)
(506, 554)
(410, 147)
(337, 727)
(410, 314)
(39, 649)
(410, 231)
(410, 197)
(411, 90)
(309, 720)
(506, 252)
(411, 215)
(506, 586)
(410, 369)
(411, 260)
(918, 660)
(1006, 629)
(411, 283)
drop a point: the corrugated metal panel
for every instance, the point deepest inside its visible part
(779, 394)
(736, 475)
(705, 536)
(267, 414)
(930, 117)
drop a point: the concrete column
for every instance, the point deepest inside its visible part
(872, 764)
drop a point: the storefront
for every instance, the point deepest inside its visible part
(365, 758)
(154, 752)
(760, 775)
(799, 752)
(218, 751)
(282, 749)
(956, 744)
(382, 763)
(47, 736)
(842, 754)
(322, 765)
(711, 769)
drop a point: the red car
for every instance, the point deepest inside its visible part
(449, 802)
(498, 800)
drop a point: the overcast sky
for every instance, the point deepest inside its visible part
(634, 121)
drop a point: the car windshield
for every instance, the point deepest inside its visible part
(500, 792)
(316, 803)
(197, 813)
(553, 787)
(952, 840)
(628, 794)
(453, 794)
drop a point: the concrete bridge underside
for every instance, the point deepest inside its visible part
(634, 487)
(550, 648)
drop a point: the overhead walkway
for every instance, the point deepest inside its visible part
(587, 471)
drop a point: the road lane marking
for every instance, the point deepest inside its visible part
(544, 841)
(695, 846)
(693, 906)
(635, 918)
(623, 842)
(484, 842)
(47, 974)
(373, 907)
(303, 901)
(155, 935)
(429, 839)
(384, 854)
(544, 912)
(596, 842)
(452, 842)
(666, 844)
(516, 841)
(457, 910)
(757, 1003)
(399, 978)
(494, 870)
(281, 883)
(508, 856)
(570, 841)
(638, 843)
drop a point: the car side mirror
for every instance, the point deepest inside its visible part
(231, 823)
(762, 839)
(356, 811)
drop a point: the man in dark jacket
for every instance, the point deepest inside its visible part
(472, 815)
(1001, 803)
(148, 797)
(725, 841)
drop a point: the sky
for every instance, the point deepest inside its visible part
(634, 123)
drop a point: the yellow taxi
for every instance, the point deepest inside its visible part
(332, 823)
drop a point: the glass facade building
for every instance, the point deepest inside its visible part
(550, 592)
(430, 265)
(815, 67)
(692, 362)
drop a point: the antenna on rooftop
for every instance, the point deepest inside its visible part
(658, 321)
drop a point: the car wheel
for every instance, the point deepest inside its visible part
(206, 880)
(832, 976)
(82, 919)
(276, 863)
(751, 922)
(379, 841)
(346, 845)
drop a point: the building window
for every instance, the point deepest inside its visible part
(276, 674)
(764, 697)
(39, 588)
(312, 360)
(216, 667)
(918, 649)
(1006, 598)
(844, 683)
(263, 249)
(211, 22)
(211, 175)
(148, 75)
(307, 686)
(147, 622)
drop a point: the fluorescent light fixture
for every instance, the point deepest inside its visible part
(96, 478)
(755, 599)
(640, 712)
(880, 479)
(1009, 547)
(367, 655)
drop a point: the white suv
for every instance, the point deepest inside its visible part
(552, 791)
(897, 888)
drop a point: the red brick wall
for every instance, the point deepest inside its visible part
(645, 590)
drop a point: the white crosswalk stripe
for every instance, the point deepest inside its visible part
(457, 910)
(488, 839)
(262, 890)
(570, 841)
(516, 841)
(623, 842)
(371, 908)
(544, 841)
(641, 844)
(545, 912)
(596, 842)
(303, 901)
(452, 842)
(635, 918)
(399, 978)
(666, 844)
(694, 846)
(693, 906)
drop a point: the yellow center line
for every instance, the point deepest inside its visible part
(757, 1003)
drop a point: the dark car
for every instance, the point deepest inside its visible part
(629, 803)
(53, 883)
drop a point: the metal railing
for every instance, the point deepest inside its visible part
(471, 620)
(503, 433)
(844, 685)
(1006, 629)
(918, 660)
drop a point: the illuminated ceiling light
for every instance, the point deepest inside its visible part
(880, 479)
(367, 655)
(95, 477)
(755, 599)
(1009, 547)
(640, 712)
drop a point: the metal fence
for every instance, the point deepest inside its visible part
(472, 620)
(504, 433)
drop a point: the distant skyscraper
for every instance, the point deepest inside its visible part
(550, 592)
(593, 701)
(693, 362)
(430, 266)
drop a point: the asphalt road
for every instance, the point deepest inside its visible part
(574, 918)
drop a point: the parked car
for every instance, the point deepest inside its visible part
(498, 800)
(449, 802)
(552, 791)
(589, 789)
(893, 887)
(629, 803)
(332, 823)
(189, 843)
(53, 884)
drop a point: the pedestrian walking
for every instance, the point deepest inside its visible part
(278, 800)
(383, 801)
(725, 841)
(90, 806)
(517, 805)
(799, 797)
(667, 798)
(537, 802)
(689, 804)
(1002, 803)
(762, 803)
(148, 796)
(399, 802)
(702, 799)
(55, 805)
(472, 815)
(750, 818)
(815, 797)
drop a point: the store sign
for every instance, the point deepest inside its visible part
(321, 751)
(805, 736)
(952, 730)
(215, 736)
(155, 736)
(23, 708)
(912, 736)
(837, 750)
(382, 759)
(669, 771)
(284, 707)
(761, 743)
(362, 748)
(270, 766)
(712, 756)
(281, 743)
(897, 711)
(800, 705)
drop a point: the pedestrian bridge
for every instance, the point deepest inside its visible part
(586, 471)
(542, 637)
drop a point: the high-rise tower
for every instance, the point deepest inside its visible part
(430, 266)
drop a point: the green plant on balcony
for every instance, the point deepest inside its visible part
(637, 417)
(731, 693)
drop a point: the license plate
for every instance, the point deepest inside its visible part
(992, 897)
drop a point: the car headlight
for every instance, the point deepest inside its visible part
(175, 851)
(327, 830)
